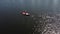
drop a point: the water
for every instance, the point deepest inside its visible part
(12, 21)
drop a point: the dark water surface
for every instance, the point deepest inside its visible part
(11, 21)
